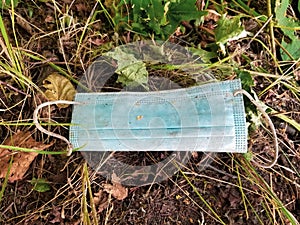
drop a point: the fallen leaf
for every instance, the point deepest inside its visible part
(116, 189)
(56, 214)
(21, 160)
(100, 201)
(49, 19)
(25, 25)
(97, 41)
(81, 7)
(59, 88)
(131, 71)
(40, 184)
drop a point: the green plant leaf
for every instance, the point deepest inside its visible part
(246, 79)
(133, 75)
(293, 48)
(287, 26)
(205, 56)
(147, 14)
(248, 156)
(59, 88)
(162, 17)
(229, 29)
(7, 3)
(143, 12)
(183, 10)
(177, 11)
(40, 185)
(132, 72)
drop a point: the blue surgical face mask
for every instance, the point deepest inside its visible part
(205, 118)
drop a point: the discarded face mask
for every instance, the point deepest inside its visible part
(206, 118)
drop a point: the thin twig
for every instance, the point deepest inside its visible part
(254, 102)
(13, 88)
(43, 130)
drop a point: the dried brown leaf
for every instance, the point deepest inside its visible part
(100, 201)
(21, 160)
(116, 189)
(25, 25)
(59, 88)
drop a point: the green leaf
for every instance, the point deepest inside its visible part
(293, 48)
(132, 72)
(133, 75)
(149, 13)
(40, 185)
(162, 16)
(183, 10)
(229, 29)
(248, 156)
(288, 26)
(255, 119)
(246, 79)
(7, 3)
(205, 56)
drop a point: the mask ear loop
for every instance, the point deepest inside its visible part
(254, 102)
(43, 130)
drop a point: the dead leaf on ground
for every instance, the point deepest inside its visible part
(100, 201)
(25, 25)
(59, 88)
(21, 160)
(116, 189)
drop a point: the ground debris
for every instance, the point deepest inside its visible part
(116, 189)
(21, 160)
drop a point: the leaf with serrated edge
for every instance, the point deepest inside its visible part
(58, 88)
(132, 72)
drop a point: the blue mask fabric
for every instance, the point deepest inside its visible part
(206, 117)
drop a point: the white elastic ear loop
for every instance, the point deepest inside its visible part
(40, 128)
(254, 102)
